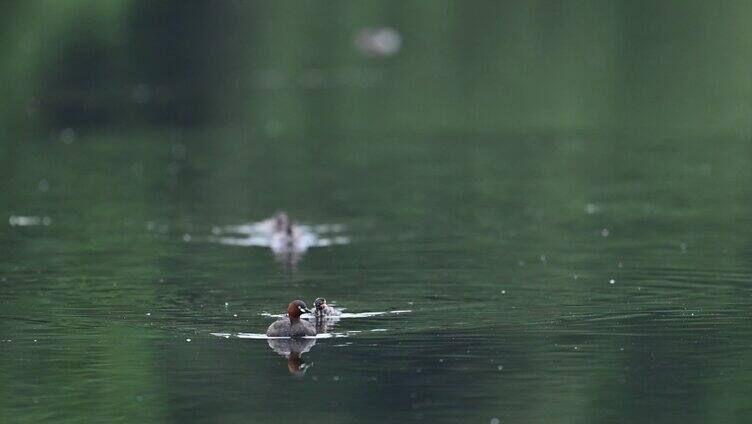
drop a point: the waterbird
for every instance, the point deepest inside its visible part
(323, 310)
(292, 325)
(326, 316)
(285, 236)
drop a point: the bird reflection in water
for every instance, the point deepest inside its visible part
(325, 324)
(293, 349)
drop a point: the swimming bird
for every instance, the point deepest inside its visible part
(292, 325)
(322, 309)
(326, 316)
(285, 235)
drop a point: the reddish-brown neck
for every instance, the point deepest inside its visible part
(293, 312)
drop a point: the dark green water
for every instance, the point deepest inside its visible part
(571, 251)
(486, 240)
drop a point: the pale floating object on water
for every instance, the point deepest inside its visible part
(28, 221)
(67, 135)
(590, 209)
(612, 281)
(378, 41)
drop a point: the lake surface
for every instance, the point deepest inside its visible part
(521, 232)
(549, 279)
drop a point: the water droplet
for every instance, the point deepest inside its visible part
(378, 42)
(67, 135)
(591, 209)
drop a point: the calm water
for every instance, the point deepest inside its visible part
(564, 246)
(549, 278)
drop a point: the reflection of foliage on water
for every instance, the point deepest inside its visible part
(585, 64)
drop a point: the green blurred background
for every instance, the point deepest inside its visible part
(480, 66)
(559, 191)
